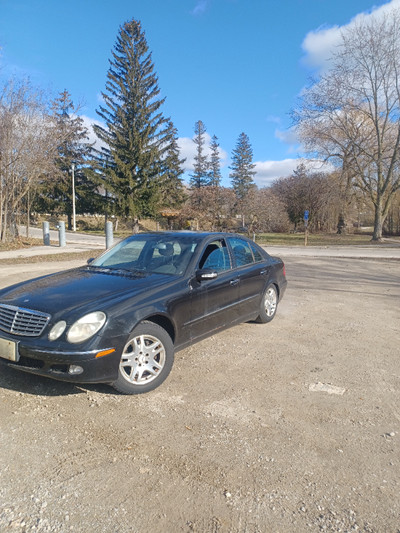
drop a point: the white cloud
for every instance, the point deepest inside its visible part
(88, 124)
(289, 137)
(268, 171)
(200, 7)
(188, 151)
(319, 44)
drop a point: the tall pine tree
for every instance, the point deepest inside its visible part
(242, 173)
(172, 194)
(135, 128)
(242, 167)
(215, 164)
(199, 178)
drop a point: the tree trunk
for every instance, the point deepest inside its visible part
(378, 223)
(13, 229)
(1, 214)
(28, 214)
(341, 225)
(5, 222)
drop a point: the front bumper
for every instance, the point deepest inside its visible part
(62, 365)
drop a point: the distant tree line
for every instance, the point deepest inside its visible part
(350, 117)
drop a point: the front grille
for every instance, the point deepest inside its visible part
(20, 321)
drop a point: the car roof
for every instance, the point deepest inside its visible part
(200, 235)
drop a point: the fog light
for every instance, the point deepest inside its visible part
(75, 369)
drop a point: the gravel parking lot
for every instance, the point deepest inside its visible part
(293, 426)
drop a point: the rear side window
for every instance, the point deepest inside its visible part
(241, 251)
(256, 253)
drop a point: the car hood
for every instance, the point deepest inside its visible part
(76, 288)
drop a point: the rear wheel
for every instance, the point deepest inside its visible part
(146, 359)
(269, 305)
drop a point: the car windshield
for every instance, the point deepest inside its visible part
(152, 253)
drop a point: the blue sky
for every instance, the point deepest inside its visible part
(237, 65)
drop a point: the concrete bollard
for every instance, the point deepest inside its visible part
(61, 234)
(46, 233)
(109, 234)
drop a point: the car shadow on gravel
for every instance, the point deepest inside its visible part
(26, 383)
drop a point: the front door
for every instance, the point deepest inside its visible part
(214, 302)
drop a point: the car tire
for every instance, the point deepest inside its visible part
(146, 359)
(269, 305)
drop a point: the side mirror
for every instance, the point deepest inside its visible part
(90, 260)
(206, 274)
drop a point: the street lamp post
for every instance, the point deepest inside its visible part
(73, 198)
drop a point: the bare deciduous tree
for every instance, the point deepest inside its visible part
(28, 146)
(210, 208)
(304, 190)
(270, 213)
(351, 115)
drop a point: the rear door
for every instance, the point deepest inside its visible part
(252, 271)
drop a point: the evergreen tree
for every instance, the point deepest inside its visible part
(199, 178)
(135, 129)
(215, 164)
(102, 168)
(172, 193)
(242, 167)
(55, 194)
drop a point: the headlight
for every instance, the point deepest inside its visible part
(86, 327)
(57, 330)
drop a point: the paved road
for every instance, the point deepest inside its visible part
(373, 251)
(78, 242)
(70, 236)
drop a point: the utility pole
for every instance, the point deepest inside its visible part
(73, 198)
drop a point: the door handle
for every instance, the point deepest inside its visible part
(263, 272)
(234, 281)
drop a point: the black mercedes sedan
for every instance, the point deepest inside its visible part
(120, 318)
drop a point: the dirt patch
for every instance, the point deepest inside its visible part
(291, 426)
(20, 243)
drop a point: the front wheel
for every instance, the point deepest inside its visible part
(269, 305)
(146, 359)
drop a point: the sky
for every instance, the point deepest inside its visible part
(237, 65)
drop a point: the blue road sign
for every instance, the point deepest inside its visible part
(306, 214)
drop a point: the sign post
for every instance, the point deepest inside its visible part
(306, 215)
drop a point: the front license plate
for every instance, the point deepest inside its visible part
(8, 350)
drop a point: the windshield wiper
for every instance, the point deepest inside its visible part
(130, 272)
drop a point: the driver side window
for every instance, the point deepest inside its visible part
(216, 257)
